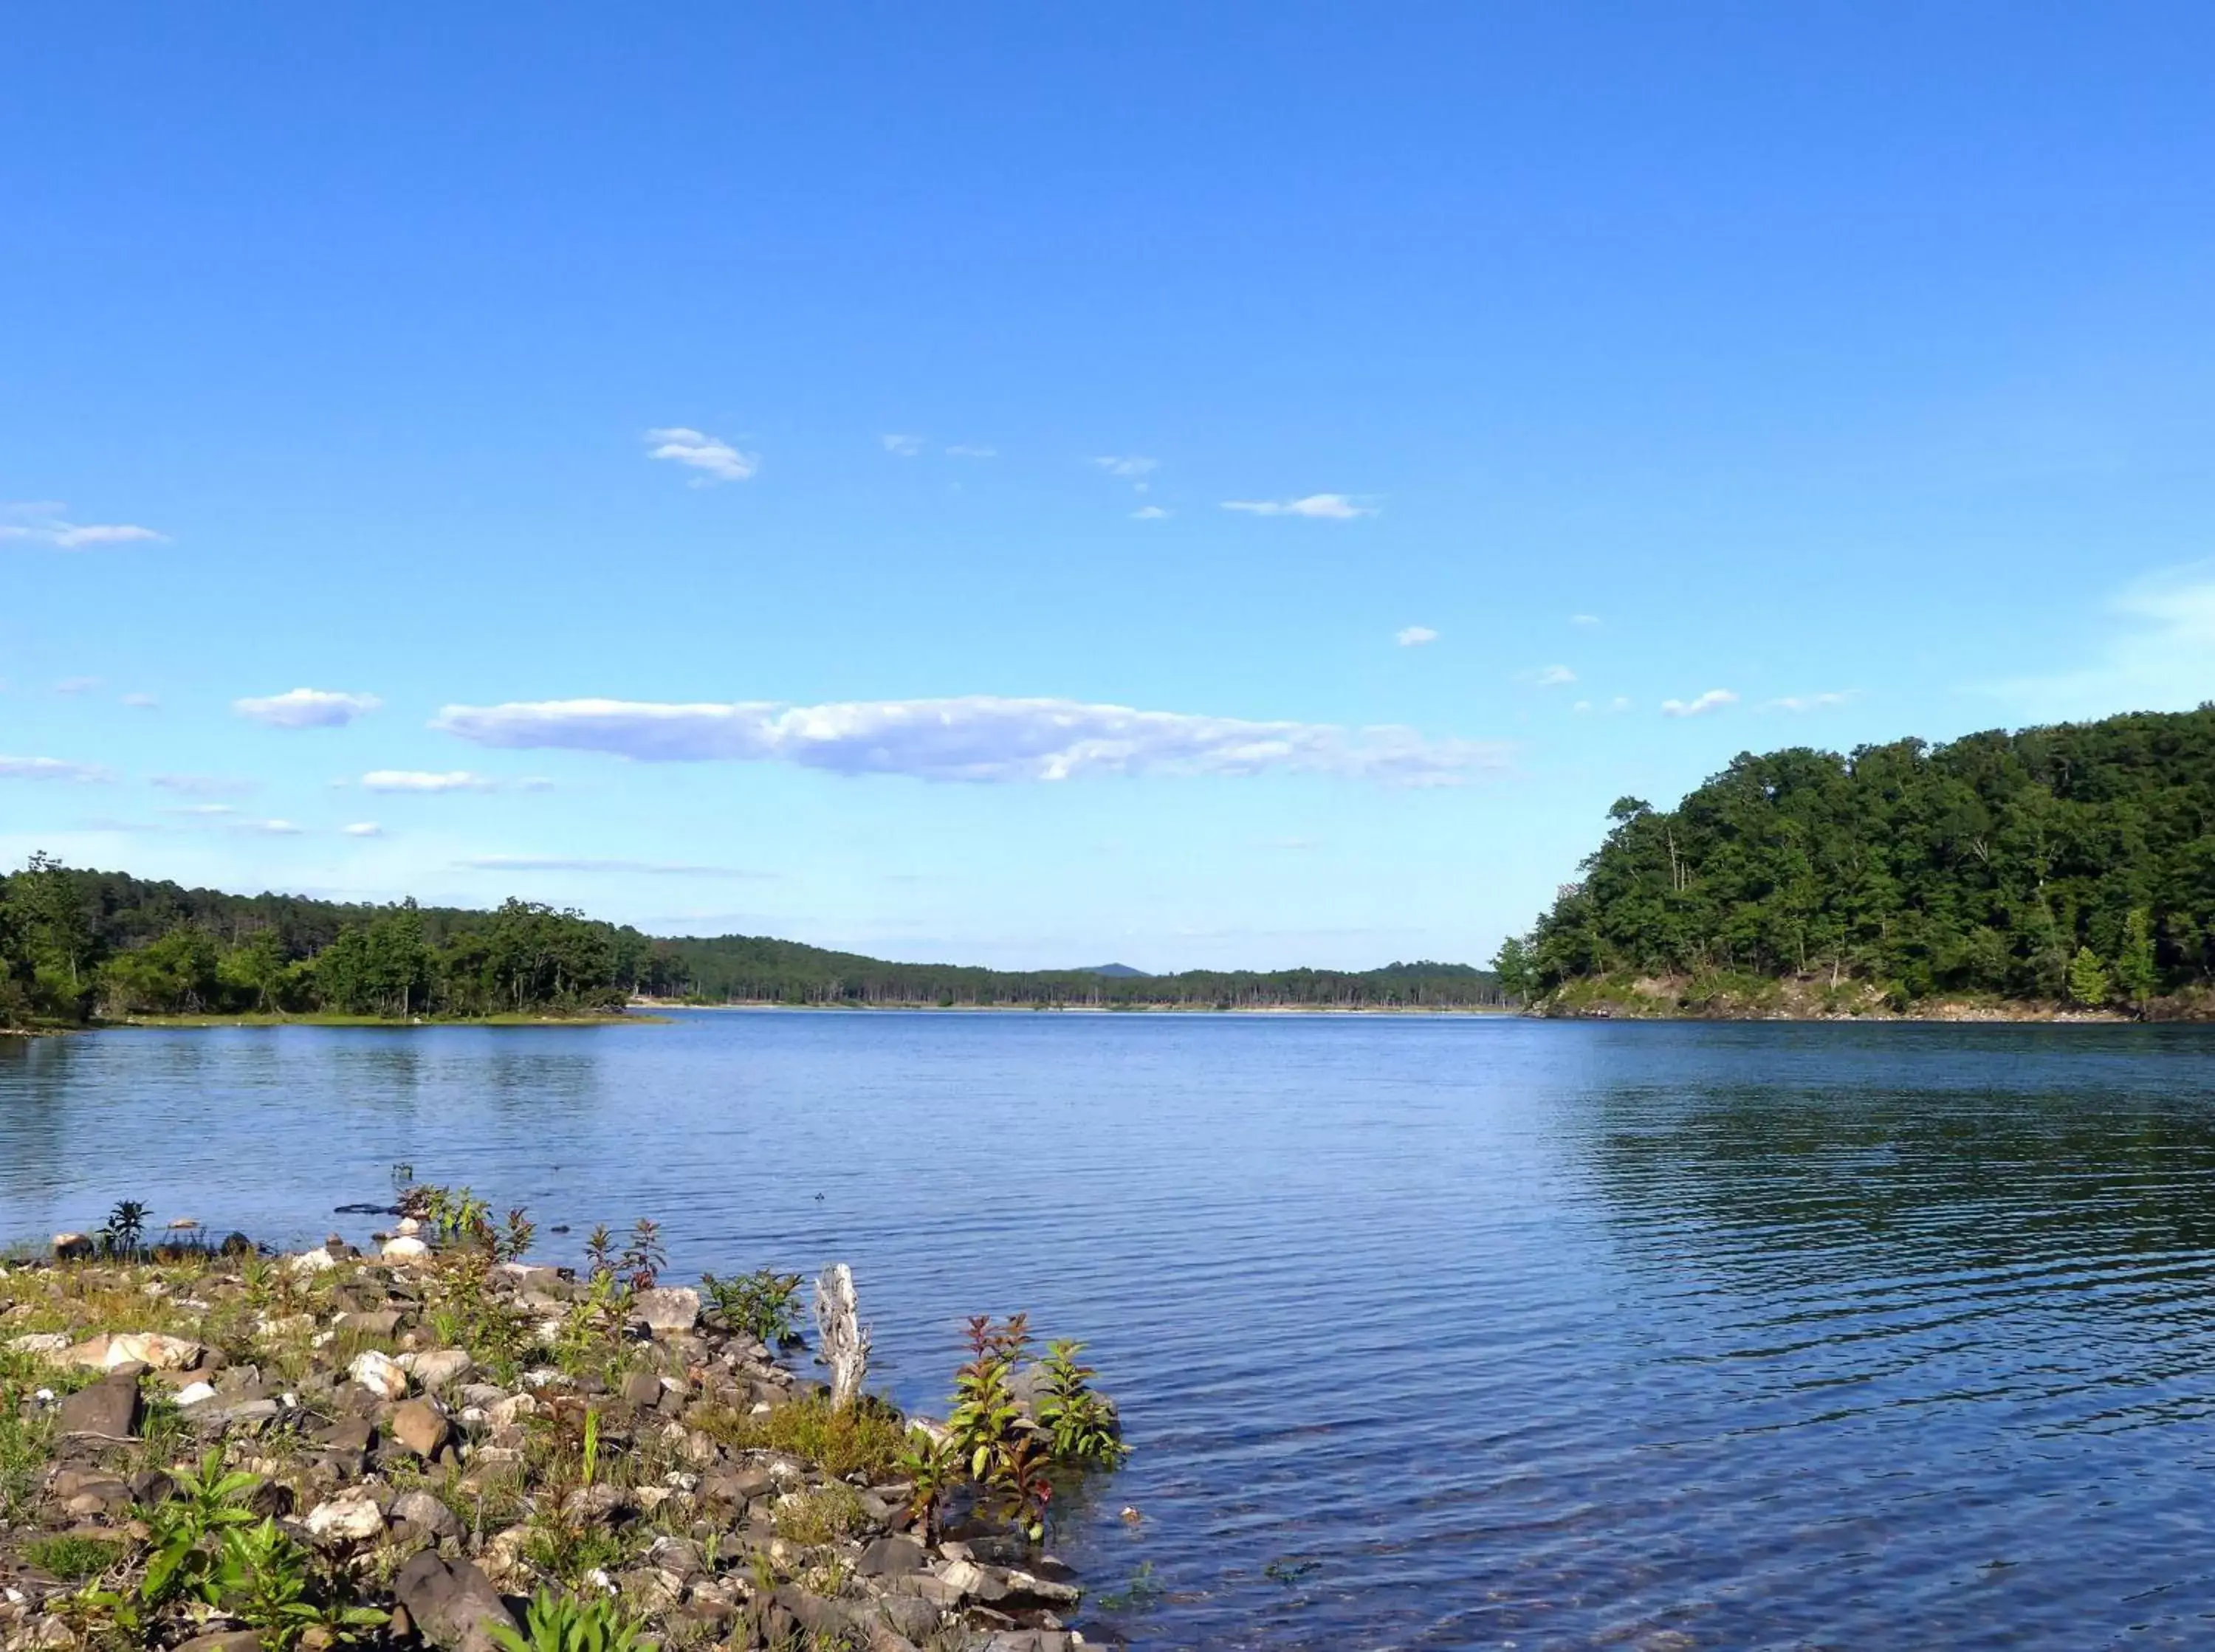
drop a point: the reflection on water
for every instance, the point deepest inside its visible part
(1432, 1333)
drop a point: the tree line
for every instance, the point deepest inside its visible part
(78, 946)
(2072, 863)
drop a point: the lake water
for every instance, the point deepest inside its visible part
(1429, 1333)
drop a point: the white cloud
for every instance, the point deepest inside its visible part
(2159, 654)
(1811, 702)
(1713, 699)
(1620, 703)
(975, 738)
(307, 708)
(364, 829)
(1148, 513)
(141, 702)
(271, 827)
(964, 450)
(415, 779)
(1415, 636)
(1129, 466)
(557, 863)
(1551, 676)
(76, 685)
(52, 768)
(1584, 619)
(40, 522)
(1329, 507)
(716, 459)
(902, 447)
(206, 786)
(1581, 706)
(204, 809)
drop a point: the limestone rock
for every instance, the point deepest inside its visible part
(345, 1519)
(426, 1515)
(380, 1373)
(317, 1261)
(406, 1248)
(437, 1367)
(108, 1410)
(421, 1427)
(39, 1342)
(148, 1348)
(670, 1308)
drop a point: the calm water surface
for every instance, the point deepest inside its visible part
(1431, 1333)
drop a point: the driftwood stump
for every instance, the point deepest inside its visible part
(844, 1344)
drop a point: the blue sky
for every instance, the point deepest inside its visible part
(1204, 485)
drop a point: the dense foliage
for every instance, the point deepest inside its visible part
(2074, 862)
(77, 945)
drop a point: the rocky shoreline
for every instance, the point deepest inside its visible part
(211, 1448)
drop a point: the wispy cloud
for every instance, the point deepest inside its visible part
(76, 685)
(716, 460)
(270, 827)
(140, 701)
(1550, 677)
(52, 768)
(976, 737)
(1415, 636)
(969, 450)
(563, 863)
(307, 708)
(1149, 513)
(206, 785)
(1327, 507)
(41, 522)
(1811, 702)
(903, 447)
(200, 810)
(364, 829)
(416, 780)
(1714, 700)
(1129, 466)
(1585, 619)
(2159, 654)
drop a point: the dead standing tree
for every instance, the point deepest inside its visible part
(845, 1341)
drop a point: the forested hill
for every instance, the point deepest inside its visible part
(2069, 863)
(77, 945)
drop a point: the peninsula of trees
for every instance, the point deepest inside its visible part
(2072, 866)
(78, 945)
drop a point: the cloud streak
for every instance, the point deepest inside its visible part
(1811, 702)
(1714, 700)
(1415, 636)
(41, 522)
(2160, 655)
(307, 708)
(53, 768)
(716, 460)
(1323, 507)
(978, 737)
(416, 780)
(561, 863)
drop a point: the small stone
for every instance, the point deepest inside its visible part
(438, 1367)
(149, 1349)
(40, 1342)
(108, 1410)
(380, 1373)
(352, 1519)
(317, 1261)
(72, 1247)
(406, 1248)
(887, 1557)
(193, 1393)
(230, 1640)
(642, 1389)
(426, 1515)
(421, 1427)
(379, 1322)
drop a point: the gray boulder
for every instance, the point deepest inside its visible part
(452, 1606)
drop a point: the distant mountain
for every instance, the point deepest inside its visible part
(1120, 971)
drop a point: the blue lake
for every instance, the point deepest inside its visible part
(1430, 1332)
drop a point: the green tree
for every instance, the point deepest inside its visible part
(2088, 978)
(2135, 970)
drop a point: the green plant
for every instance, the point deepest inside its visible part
(763, 1304)
(600, 1250)
(643, 1258)
(70, 1558)
(265, 1579)
(1079, 1422)
(25, 1438)
(179, 1560)
(124, 1234)
(591, 1455)
(513, 1242)
(556, 1622)
(865, 1438)
(1141, 1594)
(824, 1516)
(1017, 1477)
(985, 1412)
(932, 1468)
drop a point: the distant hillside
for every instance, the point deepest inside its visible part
(76, 943)
(2070, 865)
